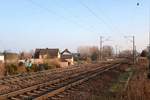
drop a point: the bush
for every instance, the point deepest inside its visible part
(55, 63)
(94, 56)
(52, 66)
(20, 64)
(40, 67)
(49, 64)
(46, 67)
(21, 68)
(33, 68)
(88, 60)
(11, 69)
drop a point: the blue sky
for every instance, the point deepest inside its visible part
(29, 24)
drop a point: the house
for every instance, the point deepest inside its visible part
(2, 57)
(47, 53)
(67, 57)
(53, 55)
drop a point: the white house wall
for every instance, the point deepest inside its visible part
(2, 58)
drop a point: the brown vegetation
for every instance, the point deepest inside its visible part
(52, 63)
(139, 86)
(2, 69)
(21, 68)
(99, 88)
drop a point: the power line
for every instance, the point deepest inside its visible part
(58, 15)
(76, 17)
(97, 16)
(109, 20)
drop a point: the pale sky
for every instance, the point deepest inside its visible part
(30, 24)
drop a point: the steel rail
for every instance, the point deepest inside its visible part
(63, 88)
(79, 76)
(37, 80)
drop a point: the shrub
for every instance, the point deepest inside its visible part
(20, 64)
(88, 60)
(49, 64)
(11, 69)
(52, 66)
(46, 67)
(21, 68)
(55, 63)
(34, 68)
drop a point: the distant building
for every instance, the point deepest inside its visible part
(67, 56)
(47, 53)
(64, 58)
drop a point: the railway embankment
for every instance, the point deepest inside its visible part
(107, 86)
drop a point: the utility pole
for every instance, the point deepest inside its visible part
(149, 56)
(133, 50)
(100, 48)
(133, 47)
(116, 47)
(149, 48)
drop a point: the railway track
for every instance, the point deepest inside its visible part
(17, 82)
(34, 74)
(28, 80)
(44, 91)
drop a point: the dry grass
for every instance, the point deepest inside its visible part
(21, 69)
(55, 63)
(139, 86)
(97, 88)
(2, 69)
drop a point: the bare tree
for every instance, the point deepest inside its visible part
(125, 53)
(26, 55)
(107, 51)
(88, 52)
(83, 50)
(94, 53)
